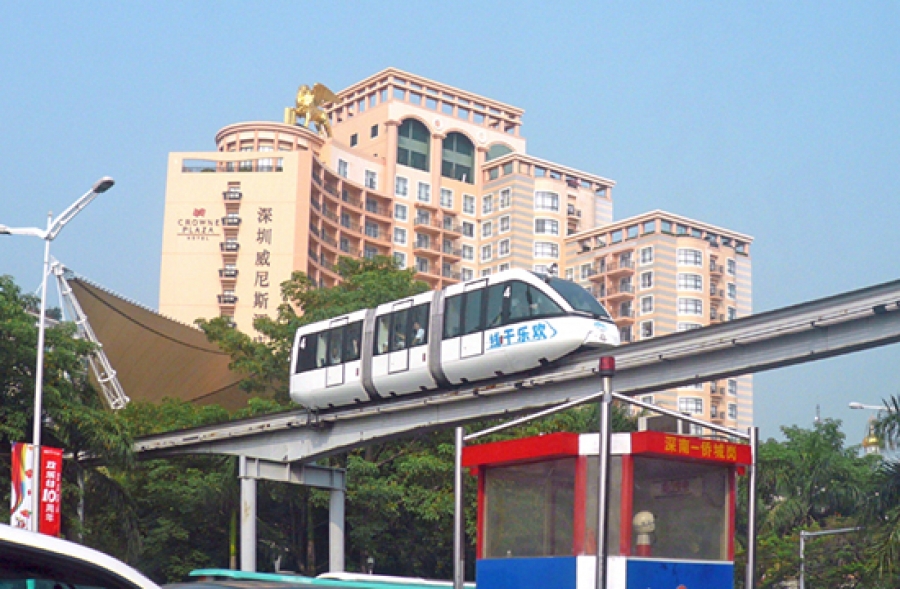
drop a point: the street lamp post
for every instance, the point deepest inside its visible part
(54, 226)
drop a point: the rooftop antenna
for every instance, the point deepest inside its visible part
(818, 418)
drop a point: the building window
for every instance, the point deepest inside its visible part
(487, 229)
(487, 204)
(546, 201)
(689, 257)
(505, 198)
(646, 305)
(468, 229)
(485, 272)
(342, 168)
(504, 224)
(732, 313)
(400, 260)
(468, 252)
(503, 267)
(546, 226)
(401, 186)
(732, 290)
(468, 204)
(423, 194)
(686, 326)
(688, 306)
(373, 132)
(648, 399)
(546, 249)
(487, 252)
(400, 212)
(646, 280)
(467, 274)
(689, 282)
(713, 411)
(646, 329)
(354, 139)
(371, 179)
(646, 255)
(399, 236)
(422, 265)
(371, 229)
(732, 387)
(732, 266)
(413, 145)
(587, 270)
(570, 274)
(446, 198)
(690, 405)
(503, 248)
(625, 334)
(458, 158)
(732, 411)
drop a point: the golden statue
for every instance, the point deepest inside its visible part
(308, 107)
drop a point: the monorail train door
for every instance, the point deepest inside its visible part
(472, 340)
(334, 373)
(398, 358)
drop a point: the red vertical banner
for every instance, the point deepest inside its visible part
(51, 491)
(22, 477)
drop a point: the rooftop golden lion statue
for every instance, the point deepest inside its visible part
(308, 108)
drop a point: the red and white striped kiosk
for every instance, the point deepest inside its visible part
(671, 511)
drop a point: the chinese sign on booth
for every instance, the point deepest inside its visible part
(23, 484)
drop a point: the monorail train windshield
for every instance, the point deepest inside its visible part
(580, 299)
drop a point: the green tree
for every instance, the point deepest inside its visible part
(75, 418)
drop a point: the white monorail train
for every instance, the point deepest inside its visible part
(510, 322)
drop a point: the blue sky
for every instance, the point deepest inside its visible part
(779, 120)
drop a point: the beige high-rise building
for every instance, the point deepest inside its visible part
(440, 178)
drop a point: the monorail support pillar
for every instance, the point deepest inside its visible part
(248, 516)
(310, 475)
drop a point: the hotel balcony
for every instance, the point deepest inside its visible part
(229, 246)
(427, 224)
(351, 199)
(619, 267)
(450, 226)
(226, 273)
(622, 315)
(620, 291)
(231, 221)
(232, 195)
(716, 294)
(372, 206)
(426, 248)
(451, 253)
(716, 269)
(227, 299)
(571, 211)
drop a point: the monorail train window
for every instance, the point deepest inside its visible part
(472, 322)
(579, 298)
(419, 322)
(306, 352)
(528, 302)
(382, 334)
(334, 345)
(399, 329)
(497, 311)
(452, 316)
(352, 339)
(321, 342)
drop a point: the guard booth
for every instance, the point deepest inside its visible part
(671, 511)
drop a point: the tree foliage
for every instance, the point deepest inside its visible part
(74, 416)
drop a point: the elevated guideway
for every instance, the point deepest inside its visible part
(823, 328)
